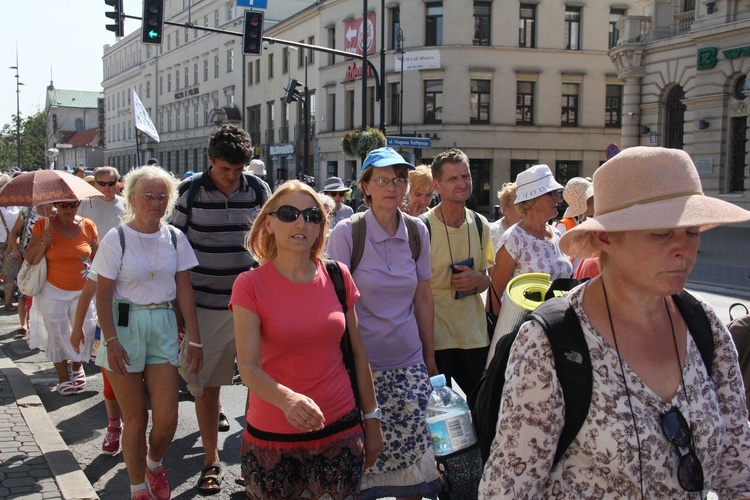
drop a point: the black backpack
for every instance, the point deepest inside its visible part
(572, 365)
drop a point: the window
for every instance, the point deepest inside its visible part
(177, 118)
(527, 26)
(301, 56)
(741, 88)
(177, 39)
(148, 89)
(518, 166)
(674, 122)
(395, 26)
(257, 71)
(525, 103)
(185, 76)
(479, 101)
(395, 89)
(177, 80)
(205, 70)
(434, 24)
(566, 170)
(433, 101)
(187, 117)
(253, 116)
(614, 34)
(250, 73)
(195, 115)
(331, 44)
(482, 17)
(216, 66)
(285, 60)
(205, 112)
(161, 85)
(216, 19)
(310, 52)
(572, 28)
(169, 82)
(230, 60)
(169, 120)
(349, 110)
(569, 105)
(270, 65)
(689, 5)
(331, 111)
(613, 106)
(195, 74)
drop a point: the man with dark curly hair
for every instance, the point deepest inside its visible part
(215, 209)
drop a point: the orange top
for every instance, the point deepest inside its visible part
(568, 222)
(68, 258)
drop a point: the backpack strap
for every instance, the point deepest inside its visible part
(195, 184)
(334, 271)
(412, 230)
(424, 219)
(698, 325)
(359, 232)
(572, 365)
(172, 235)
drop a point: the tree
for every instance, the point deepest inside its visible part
(33, 132)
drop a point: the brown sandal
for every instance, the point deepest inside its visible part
(209, 482)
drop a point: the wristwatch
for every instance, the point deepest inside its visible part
(377, 414)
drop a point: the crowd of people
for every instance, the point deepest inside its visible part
(336, 316)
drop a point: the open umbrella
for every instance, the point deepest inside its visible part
(45, 186)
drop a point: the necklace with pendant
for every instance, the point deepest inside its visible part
(152, 273)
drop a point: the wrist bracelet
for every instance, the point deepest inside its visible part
(195, 344)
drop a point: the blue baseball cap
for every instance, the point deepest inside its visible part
(385, 157)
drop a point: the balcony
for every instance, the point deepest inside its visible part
(284, 133)
(269, 136)
(684, 21)
(299, 131)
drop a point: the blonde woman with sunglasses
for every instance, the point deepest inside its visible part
(68, 242)
(304, 432)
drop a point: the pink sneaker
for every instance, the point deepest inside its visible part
(111, 444)
(141, 495)
(157, 483)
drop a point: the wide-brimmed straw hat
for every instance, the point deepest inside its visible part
(648, 188)
(576, 194)
(535, 182)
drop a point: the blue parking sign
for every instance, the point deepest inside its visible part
(255, 4)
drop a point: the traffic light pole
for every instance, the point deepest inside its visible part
(306, 146)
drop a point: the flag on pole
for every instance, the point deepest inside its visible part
(142, 120)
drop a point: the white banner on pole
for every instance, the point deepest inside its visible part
(142, 120)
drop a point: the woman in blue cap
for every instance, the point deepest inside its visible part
(395, 314)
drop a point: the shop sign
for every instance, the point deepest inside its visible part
(708, 56)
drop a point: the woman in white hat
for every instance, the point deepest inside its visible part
(531, 245)
(661, 422)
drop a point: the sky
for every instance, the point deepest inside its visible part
(66, 37)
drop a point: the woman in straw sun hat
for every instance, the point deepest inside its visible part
(579, 195)
(661, 423)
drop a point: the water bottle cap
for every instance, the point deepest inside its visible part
(438, 380)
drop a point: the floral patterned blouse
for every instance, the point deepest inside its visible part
(602, 462)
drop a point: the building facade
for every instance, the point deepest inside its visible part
(188, 84)
(685, 66)
(74, 114)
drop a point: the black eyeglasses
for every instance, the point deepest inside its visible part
(110, 183)
(677, 431)
(288, 213)
(64, 204)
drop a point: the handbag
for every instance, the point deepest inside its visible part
(491, 316)
(32, 277)
(11, 267)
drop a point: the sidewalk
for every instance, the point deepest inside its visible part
(35, 462)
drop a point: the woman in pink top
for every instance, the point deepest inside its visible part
(302, 422)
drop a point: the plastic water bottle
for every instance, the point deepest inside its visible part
(454, 441)
(97, 342)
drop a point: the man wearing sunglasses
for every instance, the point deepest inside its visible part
(215, 209)
(335, 188)
(105, 210)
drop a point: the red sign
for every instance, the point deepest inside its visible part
(353, 35)
(353, 72)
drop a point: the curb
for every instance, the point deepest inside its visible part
(71, 480)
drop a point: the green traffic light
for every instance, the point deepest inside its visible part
(153, 34)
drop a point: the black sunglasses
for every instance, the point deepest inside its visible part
(110, 183)
(677, 431)
(288, 213)
(65, 204)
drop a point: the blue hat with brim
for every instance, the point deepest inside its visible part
(385, 157)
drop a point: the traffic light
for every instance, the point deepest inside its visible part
(119, 26)
(292, 94)
(153, 22)
(252, 33)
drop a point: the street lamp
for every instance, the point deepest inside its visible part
(18, 111)
(400, 50)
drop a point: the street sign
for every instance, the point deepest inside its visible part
(409, 142)
(612, 150)
(255, 4)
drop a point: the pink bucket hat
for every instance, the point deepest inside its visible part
(648, 188)
(576, 193)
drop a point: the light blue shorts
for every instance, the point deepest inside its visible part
(149, 339)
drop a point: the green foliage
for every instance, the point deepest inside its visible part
(358, 143)
(33, 142)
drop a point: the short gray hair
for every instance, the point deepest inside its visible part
(106, 170)
(146, 173)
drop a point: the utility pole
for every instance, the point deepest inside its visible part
(18, 110)
(306, 146)
(364, 26)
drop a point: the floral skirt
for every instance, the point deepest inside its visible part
(296, 466)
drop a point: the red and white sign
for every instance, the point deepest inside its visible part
(353, 35)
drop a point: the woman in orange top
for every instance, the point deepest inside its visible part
(68, 243)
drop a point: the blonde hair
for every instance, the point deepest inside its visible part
(525, 206)
(507, 195)
(421, 178)
(262, 244)
(145, 173)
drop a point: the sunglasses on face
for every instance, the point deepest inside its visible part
(677, 431)
(335, 193)
(149, 197)
(68, 204)
(384, 181)
(557, 195)
(288, 213)
(103, 183)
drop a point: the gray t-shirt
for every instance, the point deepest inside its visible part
(105, 214)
